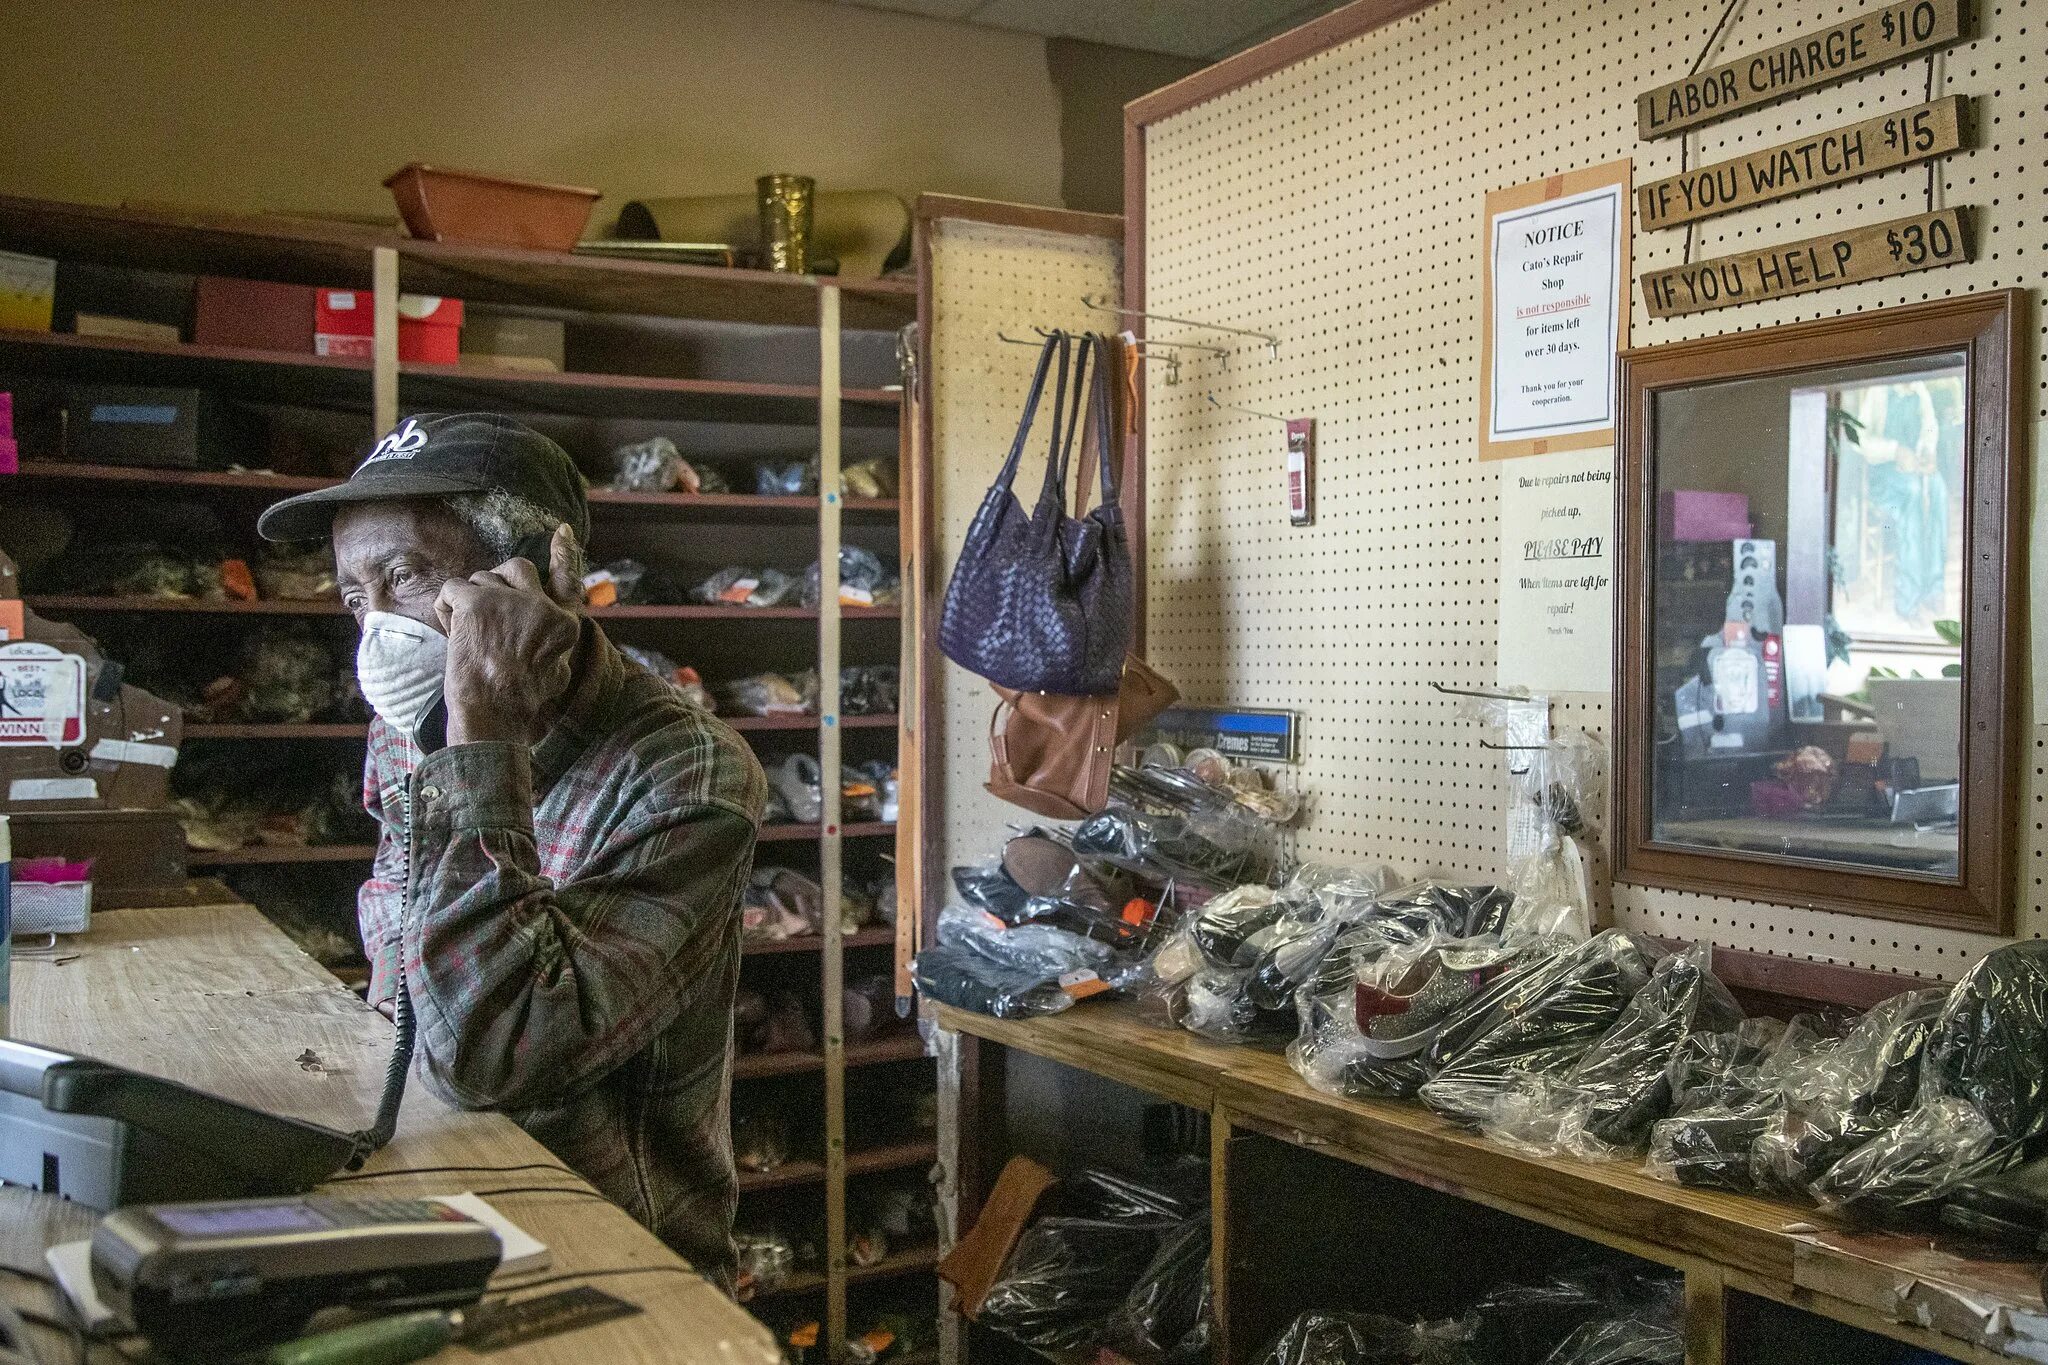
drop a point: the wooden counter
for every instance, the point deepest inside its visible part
(220, 999)
(1901, 1287)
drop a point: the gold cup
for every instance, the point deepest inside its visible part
(785, 205)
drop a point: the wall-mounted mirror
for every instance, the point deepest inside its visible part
(1820, 618)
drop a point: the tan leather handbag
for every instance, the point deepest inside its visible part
(1052, 755)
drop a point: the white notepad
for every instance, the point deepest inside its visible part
(71, 1262)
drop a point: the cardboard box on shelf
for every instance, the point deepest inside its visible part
(28, 292)
(429, 328)
(256, 314)
(156, 428)
(126, 329)
(511, 342)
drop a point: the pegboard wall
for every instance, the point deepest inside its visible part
(1337, 204)
(986, 279)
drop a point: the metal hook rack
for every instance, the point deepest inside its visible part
(1172, 362)
(1094, 304)
(1476, 692)
(1214, 401)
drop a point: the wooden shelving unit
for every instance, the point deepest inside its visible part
(824, 377)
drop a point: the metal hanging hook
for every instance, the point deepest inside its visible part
(1475, 692)
(1214, 401)
(1094, 304)
(1139, 344)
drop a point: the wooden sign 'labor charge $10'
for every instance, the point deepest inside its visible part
(1909, 28)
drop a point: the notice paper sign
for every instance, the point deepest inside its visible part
(1555, 312)
(1557, 572)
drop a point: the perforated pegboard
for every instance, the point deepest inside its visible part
(1337, 203)
(986, 279)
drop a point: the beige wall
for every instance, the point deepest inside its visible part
(1095, 83)
(244, 104)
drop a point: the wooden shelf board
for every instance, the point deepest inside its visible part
(915, 1261)
(281, 730)
(276, 854)
(307, 251)
(340, 381)
(811, 943)
(756, 1065)
(262, 484)
(782, 1177)
(873, 1161)
(89, 602)
(900, 1045)
(706, 506)
(61, 602)
(894, 1157)
(788, 833)
(627, 395)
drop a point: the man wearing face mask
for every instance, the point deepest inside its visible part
(564, 840)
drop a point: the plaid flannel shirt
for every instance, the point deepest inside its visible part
(571, 935)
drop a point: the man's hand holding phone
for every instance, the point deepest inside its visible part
(511, 645)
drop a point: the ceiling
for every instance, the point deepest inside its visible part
(1185, 28)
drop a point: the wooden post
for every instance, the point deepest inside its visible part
(383, 339)
(1219, 1233)
(1706, 1315)
(829, 861)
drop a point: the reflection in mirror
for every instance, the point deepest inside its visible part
(1806, 599)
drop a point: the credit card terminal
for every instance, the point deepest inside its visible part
(201, 1279)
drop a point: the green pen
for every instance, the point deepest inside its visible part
(394, 1340)
(405, 1337)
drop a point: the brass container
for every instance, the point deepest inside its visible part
(785, 205)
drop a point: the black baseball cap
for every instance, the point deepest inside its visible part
(434, 455)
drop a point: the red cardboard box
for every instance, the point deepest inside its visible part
(253, 313)
(429, 328)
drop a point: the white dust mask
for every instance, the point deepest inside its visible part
(401, 665)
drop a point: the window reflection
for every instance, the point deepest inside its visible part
(1807, 592)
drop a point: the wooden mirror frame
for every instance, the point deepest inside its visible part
(1986, 328)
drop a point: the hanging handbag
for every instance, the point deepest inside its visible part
(1052, 754)
(1044, 603)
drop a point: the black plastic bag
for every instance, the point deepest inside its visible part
(1623, 1082)
(1528, 1324)
(1070, 1273)
(1903, 1176)
(1344, 1339)
(1536, 1021)
(1066, 1277)
(1521, 1324)
(1842, 1096)
(1175, 1191)
(965, 979)
(1165, 1318)
(1990, 1045)
(1226, 928)
(986, 886)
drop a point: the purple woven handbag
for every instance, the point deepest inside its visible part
(1043, 603)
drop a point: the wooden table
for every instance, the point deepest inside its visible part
(220, 999)
(1900, 1287)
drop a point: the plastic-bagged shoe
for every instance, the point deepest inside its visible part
(799, 781)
